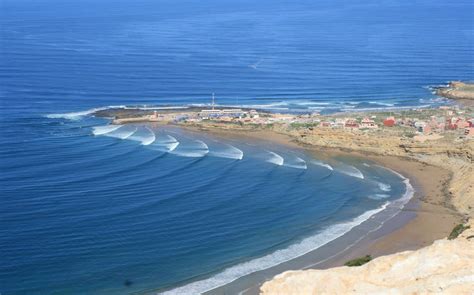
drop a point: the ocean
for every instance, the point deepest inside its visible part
(89, 209)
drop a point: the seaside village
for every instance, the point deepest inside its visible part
(426, 123)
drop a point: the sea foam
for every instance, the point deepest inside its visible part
(194, 149)
(145, 136)
(101, 130)
(165, 143)
(229, 152)
(351, 171)
(384, 187)
(74, 116)
(318, 163)
(280, 256)
(275, 159)
(297, 163)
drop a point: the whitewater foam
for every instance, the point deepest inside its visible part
(196, 149)
(280, 256)
(298, 163)
(121, 133)
(318, 163)
(384, 187)
(409, 192)
(230, 152)
(101, 130)
(145, 136)
(166, 144)
(379, 196)
(74, 116)
(275, 159)
(351, 171)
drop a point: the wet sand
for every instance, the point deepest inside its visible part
(427, 217)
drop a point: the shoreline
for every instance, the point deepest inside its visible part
(439, 171)
(410, 229)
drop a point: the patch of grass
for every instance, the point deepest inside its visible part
(358, 261)
(457, 230)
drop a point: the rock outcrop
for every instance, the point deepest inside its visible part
(460, 91)
(446, 266)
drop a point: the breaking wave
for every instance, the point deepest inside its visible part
(351, 171)
(230, 152)
(321, 164)
(280, 256)
(101, 130)
(122, 133)
(275, 159)
(298, 163)
(166, 144)
(144, 135)
(409, 192)
(195, 149)
(74, 116)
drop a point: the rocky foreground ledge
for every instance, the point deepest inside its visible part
(446, 266)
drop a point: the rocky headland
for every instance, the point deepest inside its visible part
(459, 91)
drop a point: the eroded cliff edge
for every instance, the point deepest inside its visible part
(446, 266)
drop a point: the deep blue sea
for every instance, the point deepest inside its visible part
(89, 209)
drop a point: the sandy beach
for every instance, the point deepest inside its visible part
(428, 216)
(438, 169)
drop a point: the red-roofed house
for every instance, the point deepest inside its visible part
(389, 121)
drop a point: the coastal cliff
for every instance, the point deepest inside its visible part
(445, 266)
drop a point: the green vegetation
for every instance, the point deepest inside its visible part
(457, 230)
(302, 125)
(409, 134)
(358, 261)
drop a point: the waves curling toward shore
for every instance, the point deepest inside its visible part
(275, 159)
(101, 130)
(122, 133)
(229, 152)
(351, 171)
(194, 149)
(307, 245)
(144, 135)
(321, 164)
(297, 163)
(165, 143)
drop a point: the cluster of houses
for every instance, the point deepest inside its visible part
(227, 114)
(350, 123)
(450, 120)
(435, 124)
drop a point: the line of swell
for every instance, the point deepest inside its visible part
(60, 153)
(179, 196)
(108, 174)
(277, 257)
(145, 180)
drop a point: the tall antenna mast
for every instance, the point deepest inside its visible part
(213, 101)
